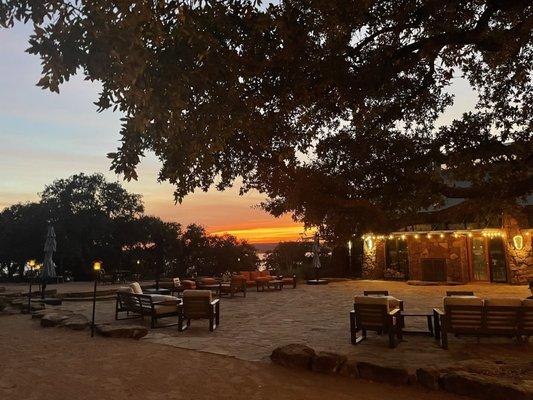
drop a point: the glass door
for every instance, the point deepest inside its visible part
(479, 260)
(498, 268)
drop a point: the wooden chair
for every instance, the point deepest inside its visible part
(198, 304)
(374, 313)
(450, 293)
(461, 316)
(236, 285)
(172, 284)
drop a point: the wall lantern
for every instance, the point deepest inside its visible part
(369, 243)
(518, 242)
(97, 265)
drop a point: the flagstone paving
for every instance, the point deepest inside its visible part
(252, 327)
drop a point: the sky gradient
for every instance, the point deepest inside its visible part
(45, 136)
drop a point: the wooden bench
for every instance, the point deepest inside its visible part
(141, 305)
(473, 316)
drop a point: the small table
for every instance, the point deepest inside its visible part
(156, 291)
(429, 318)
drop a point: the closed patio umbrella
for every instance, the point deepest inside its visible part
(49, 269)
(316, 255)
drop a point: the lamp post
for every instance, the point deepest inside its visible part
(350, 256)
(31, 264)
(97, 266)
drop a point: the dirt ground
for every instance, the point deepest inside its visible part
(52, 363)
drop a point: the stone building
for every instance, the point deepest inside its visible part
(455, 253)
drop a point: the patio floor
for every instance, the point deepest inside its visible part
(252, 327)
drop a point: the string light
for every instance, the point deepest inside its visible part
(441, 235)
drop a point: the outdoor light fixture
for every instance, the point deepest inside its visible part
(416, 236)
(441, 235)
(469, 235)
(518, 242)
(369, 243)
(403, 237)
(429, 236)
(31, 264)
(97, 267)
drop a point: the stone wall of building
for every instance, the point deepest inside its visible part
(453, 250)
(519, 261)
(373, 259)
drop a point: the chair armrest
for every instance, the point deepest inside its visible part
(438, 311)
(215, 302)
(394, 312)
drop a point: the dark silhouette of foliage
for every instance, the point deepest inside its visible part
(328, 107)
(99, 220)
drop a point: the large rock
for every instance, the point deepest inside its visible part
(54, 319)
(429, 377)
(293, 355)
(76, 322)
(379, 373)
(38, 314)
(122, 331)
(349, 368)
(484, 387)
(328, 363)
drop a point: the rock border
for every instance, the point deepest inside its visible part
(300, 356)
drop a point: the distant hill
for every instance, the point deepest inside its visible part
(263, 247)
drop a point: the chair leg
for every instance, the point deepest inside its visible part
(444, 339)
(211, 323)
(353, 332)
(152, 322)
(392, 341)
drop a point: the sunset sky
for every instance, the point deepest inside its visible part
(45, 136)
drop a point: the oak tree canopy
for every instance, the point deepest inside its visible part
(328, 107)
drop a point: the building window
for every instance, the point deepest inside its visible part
(396, 259)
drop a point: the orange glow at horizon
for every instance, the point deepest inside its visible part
(266, 235)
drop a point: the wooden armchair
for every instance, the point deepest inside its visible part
(198, 304)
(461, 316)
(375, 313)
(237, 284)
(172, 284)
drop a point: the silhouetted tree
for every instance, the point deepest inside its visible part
(330, 108)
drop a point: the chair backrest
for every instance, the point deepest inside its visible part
(196, 304)
(238, 280)
(136, 288)
(463, 314)
(450, 293)
(188, 284)
(208, 281)
(245, 274)
(376, 293)
(502, 315)
(371, 312)
(526, 319)
(264, 273)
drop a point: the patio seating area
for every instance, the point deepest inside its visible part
(250, 328)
